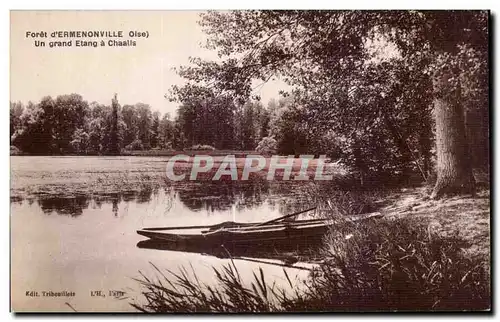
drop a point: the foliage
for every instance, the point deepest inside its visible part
(135, 145)
(114, 143)
(141, 124)
(166, 134)
(155, 130)
(252, 124)
(202, 147)
(220, 122)
(16, 110)
(15, 151)
(206, 121)
(48, 127)
(81, 141)
(348, 203)
(68, 124)
(185, 293)
(370, 266)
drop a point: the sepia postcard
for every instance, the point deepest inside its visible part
(250, 161)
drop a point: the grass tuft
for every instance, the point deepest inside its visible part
(202, 147)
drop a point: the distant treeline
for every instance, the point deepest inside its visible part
(68, 124)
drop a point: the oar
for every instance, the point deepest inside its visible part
(283, 217)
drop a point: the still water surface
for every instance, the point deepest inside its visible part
(83, 243)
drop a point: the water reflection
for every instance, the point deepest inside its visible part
(220, 196)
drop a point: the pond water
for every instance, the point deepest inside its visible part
(81, 241)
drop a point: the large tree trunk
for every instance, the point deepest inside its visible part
(454, 171)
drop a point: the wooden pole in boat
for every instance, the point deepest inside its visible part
(271, 263)
(283, 217)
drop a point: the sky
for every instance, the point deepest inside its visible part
(137, 74)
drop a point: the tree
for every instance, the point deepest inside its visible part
(114, 145)
(247, 126)
(144, 123)
(267, 146)
(454, 168)
(81, 142)
(130, 118)
(68, 115)
(166, 132)
(205, 119)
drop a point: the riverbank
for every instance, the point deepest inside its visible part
(423, 255)
(467, 217)
(188, 152)
(69, 177)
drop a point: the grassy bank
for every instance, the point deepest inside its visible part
(424, 255)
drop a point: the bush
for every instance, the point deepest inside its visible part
(396, 265)
(267, 146)
(15, 151)
(135, 145)
(374, 265)
(81, 142)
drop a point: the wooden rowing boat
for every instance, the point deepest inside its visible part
(239, 233)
